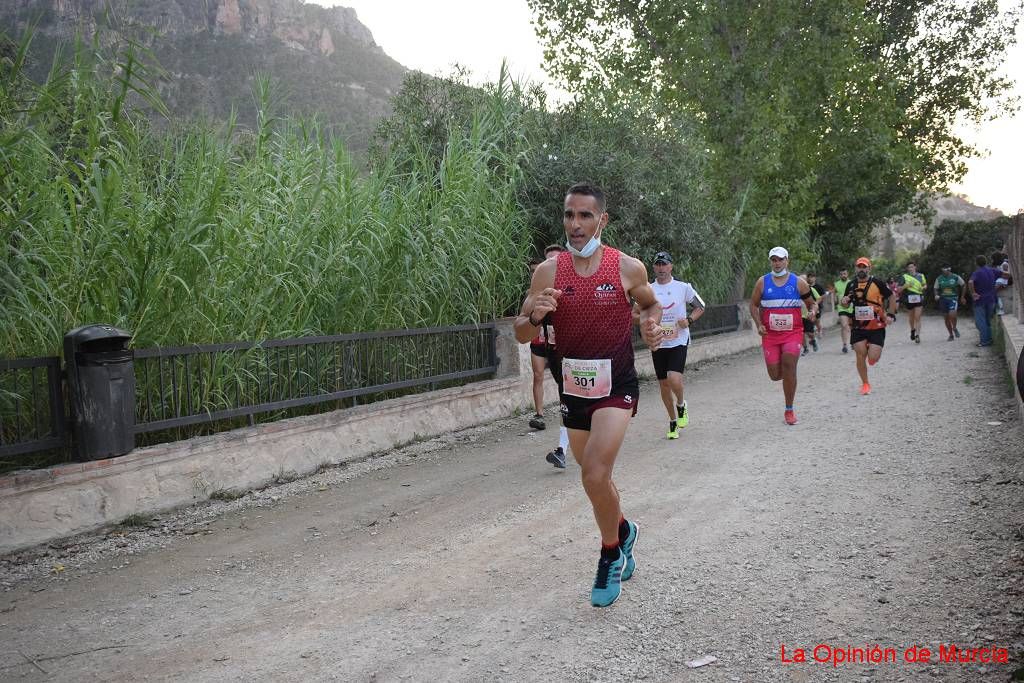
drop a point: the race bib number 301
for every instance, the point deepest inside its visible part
(587, 378)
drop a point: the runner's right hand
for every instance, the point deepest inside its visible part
(652, 334)
(545, 302)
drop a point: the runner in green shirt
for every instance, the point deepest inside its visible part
(845, 312)
(949, 289)
(914, 285)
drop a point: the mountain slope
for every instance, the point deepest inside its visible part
(322, 61)
(906, 234)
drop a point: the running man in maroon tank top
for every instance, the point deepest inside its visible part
(587, 295)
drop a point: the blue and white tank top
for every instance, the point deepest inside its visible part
(780, 305)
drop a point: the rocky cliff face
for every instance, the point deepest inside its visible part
(322, 61)
(295, 23)
(907, 235)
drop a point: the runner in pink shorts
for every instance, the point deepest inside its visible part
(774, 344)
(775, 308)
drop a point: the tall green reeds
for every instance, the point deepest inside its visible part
(194, 234)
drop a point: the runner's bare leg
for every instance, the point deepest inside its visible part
(595, 451)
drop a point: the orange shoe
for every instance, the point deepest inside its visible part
(790, 417)
(865, 389)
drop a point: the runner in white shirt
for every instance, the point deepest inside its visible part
(670, 357)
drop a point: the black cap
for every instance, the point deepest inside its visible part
(662, 257)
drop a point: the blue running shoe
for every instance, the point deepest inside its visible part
(608, 582)
(627, 550)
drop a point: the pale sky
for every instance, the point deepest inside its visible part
(432, 35)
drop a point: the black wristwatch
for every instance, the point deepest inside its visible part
(689, 320)
(530, 318)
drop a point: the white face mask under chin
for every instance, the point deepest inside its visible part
(588, 249)
(780, 273)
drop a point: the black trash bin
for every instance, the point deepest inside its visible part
(101, 390)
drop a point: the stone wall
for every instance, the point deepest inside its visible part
(1013, 338)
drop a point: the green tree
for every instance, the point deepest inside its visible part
(651, 167)
(653, 180)
(752, 78)
(820, 118)
(957, 243)
(926, 64)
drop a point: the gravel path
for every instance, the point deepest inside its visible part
(894, 520)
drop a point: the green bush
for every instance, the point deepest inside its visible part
(197, 235)
(958, 243)
(649, 167)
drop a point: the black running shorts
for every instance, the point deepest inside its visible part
(672, 359)
(876, 337)
(555, 366)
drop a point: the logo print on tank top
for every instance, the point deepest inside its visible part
(604, 294)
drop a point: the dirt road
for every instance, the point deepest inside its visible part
(892, 520)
